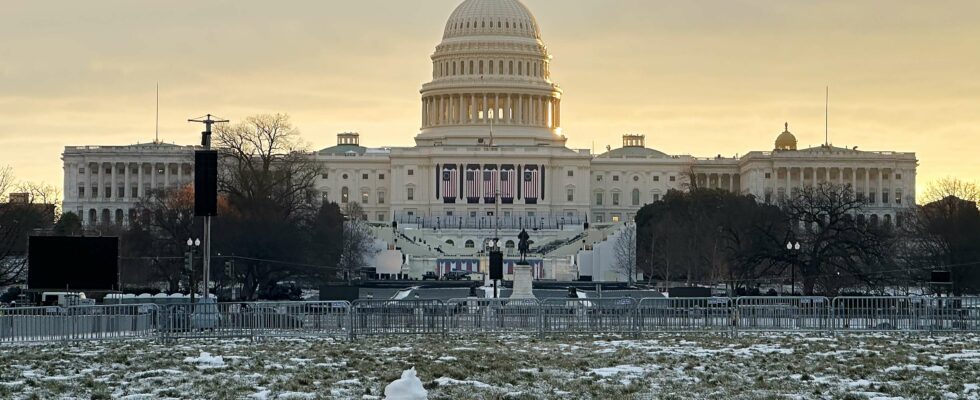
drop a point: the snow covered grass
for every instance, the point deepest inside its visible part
(508, 367)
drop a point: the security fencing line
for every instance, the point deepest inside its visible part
(345, 320)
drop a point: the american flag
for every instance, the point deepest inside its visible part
(472, 184)
(490, 184)
(450, 178)
(532, 180)
(508, 183)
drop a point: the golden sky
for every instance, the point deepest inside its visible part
(696, 77)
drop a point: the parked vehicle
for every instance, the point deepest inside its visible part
(65, 299)
(455, 275)
(430, 276)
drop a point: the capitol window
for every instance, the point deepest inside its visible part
(81, 191)
(598, 199)
(768, 175)
(344, 176)
(656, 178)
(365, 197)
(411, 172)
(673, 178)
(381, 197)
(571, 173)
(598, 178)
(81, 170)
(344, 195)
(615, 178)
(636, 197)
(898, 177)
(381, 177)
(411, 194)
(364, 176)
(636, 178)
(571, 195)
(615, 199)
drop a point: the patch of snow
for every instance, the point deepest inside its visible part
(447, 358)
(295, 395)
(619, 369)
(260, 395)
(408, 387)
(912, 367)
(206, 360)
(348, 382)
(446, 381)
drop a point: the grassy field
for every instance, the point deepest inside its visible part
(509, 367)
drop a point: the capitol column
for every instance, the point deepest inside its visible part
(867, 182)
(180, 174)
(557, 113)
(112, 184)
(881, 186)
(520, 109)
(486, 110)
(789, 182)
(461, 110)
(139, 180)
(126, 184)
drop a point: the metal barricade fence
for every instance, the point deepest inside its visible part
(380, 317)
(807, 313)
(661, 314)
(203, 321)
(951, 314)
(606, 315)
(327, 318)
(112, 321)
(52, 323)
(905, 314)
(493, 315)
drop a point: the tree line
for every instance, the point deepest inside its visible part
(713, 236)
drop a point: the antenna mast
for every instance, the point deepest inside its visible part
(157, 123)
(826, 119)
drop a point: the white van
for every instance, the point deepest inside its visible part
(64, 299)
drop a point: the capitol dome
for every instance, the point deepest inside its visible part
(786, 140)
(491, 71)
(492, 17)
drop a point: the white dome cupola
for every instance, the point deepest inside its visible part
(491, 68)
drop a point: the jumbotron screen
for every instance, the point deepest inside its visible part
(73, 263)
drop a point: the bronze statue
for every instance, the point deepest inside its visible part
(523, 245)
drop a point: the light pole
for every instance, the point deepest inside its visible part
(192, 244)
(794, 249)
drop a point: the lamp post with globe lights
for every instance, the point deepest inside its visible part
(192, 245)
(794, 250)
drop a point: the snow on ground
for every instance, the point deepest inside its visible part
(669, 366)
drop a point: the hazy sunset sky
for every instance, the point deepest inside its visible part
(696, 77)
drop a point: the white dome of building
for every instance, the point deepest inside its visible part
(491, 69)
(492, 17)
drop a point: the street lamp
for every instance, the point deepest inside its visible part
(794, 249)
(192, 244)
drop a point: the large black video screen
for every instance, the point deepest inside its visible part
(73, 263)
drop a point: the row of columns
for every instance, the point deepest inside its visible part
(114, 177)
(852, 180)
(728, 182)
(469, 109)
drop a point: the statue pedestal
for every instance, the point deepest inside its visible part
(522, 282)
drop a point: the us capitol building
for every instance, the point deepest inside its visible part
(491, 154)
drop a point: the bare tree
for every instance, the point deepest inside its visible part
(7, 181)
(357, 246)
(952, 187)
(17, 222)
(625, 252)
(265, 166)
(835, 246)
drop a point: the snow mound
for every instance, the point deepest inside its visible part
(409, 387)
(206, 360)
